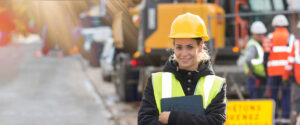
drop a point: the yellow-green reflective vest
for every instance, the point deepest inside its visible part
(165, 85)
(257, 63)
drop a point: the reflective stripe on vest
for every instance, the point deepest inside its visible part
(280, 49)
(208, 87)
(167, 86)
(291, 42)
(277, 63)
(257, 63)
(289, 68)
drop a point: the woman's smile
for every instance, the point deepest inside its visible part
(186, 51)
(185, 60)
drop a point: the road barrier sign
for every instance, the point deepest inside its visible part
(250, 112)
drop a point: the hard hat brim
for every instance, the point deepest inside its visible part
(184, 35)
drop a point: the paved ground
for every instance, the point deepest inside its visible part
(53, 91)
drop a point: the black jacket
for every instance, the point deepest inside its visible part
(214, 113)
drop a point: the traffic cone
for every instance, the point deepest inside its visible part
(37, 53)
(74, 50)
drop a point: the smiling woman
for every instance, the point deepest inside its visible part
(188, 51)
(188, 72)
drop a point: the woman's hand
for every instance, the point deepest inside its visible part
(164, 117)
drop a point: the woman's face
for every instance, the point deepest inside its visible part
(186, 51)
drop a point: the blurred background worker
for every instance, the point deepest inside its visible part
(281, 39)
(254, 67)
(293, 73)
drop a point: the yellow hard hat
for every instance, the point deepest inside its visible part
(188, 26)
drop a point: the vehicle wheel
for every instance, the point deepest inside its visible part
(120, 77)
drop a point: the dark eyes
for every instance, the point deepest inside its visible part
(189, 47)
(178, 47)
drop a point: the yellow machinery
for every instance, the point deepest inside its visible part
(168, 12)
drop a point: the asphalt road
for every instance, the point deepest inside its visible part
(56, 91)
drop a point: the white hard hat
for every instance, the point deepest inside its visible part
(298, 25)
(258, 28)
(280, 20)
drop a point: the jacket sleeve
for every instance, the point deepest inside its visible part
(215, 113)
(148, 113)
(251, 54)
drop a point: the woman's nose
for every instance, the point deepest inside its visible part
(184, 52)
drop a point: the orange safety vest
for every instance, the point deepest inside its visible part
(279, 53)
(293, 63)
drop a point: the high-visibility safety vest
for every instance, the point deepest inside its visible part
(257, 62)
(165, 85)
(293, 62)
(282, 44)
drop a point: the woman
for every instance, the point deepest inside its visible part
(190, 66)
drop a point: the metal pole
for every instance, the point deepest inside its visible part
(102, 8)
(211, 45)
(231, 15)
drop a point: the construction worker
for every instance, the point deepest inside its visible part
(254, 66)
(292, 71)
(281, 40)
(187, 72)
